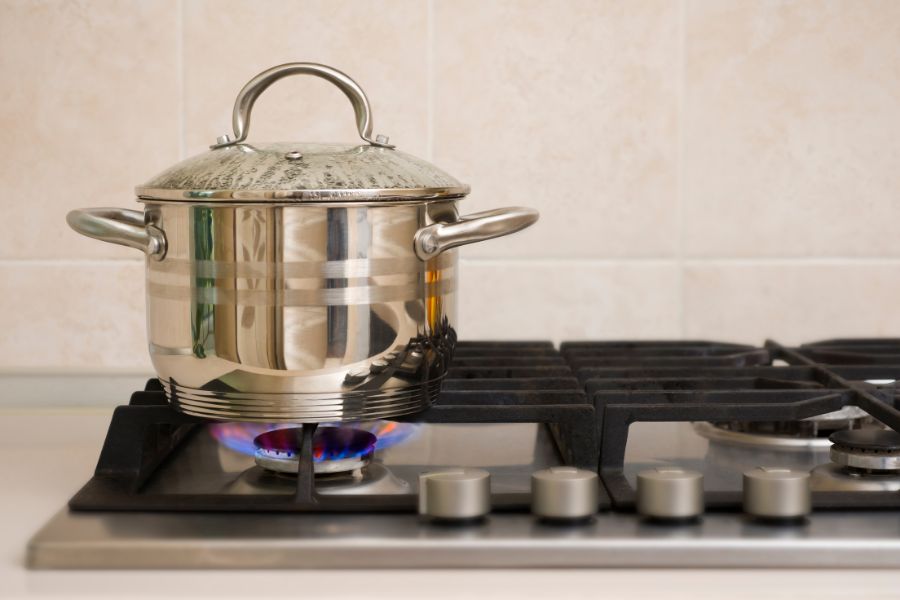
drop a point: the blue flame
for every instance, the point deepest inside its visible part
(239, 437)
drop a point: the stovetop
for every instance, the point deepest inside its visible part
(174, 491)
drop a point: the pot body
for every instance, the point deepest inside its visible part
(300, 313)
(293, 282)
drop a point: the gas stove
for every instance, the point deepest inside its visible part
(659, 454)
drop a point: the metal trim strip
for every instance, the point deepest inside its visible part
(344, 296)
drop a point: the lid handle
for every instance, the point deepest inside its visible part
(243, 104)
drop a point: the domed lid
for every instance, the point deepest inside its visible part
(302, 172)
(235, 171)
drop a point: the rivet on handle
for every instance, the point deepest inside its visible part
(433, 239)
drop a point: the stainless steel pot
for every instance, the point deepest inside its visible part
(295, 282)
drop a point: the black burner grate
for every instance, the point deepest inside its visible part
(587, 394)
(662, 354)
(489, 382)
(885, 351)
(632, 382)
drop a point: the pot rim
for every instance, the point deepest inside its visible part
(290, 204)
(304, 196)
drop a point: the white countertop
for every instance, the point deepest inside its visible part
(47, 454)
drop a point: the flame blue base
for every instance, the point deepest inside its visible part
(240, 437)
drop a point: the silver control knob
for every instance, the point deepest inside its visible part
(670, 493)
(455, 494)
(564, 493)
(776, 493)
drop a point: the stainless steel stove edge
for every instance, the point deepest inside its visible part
(250, 541)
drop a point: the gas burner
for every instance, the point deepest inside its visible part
(867, 450)
(834, 478)
(811, 433)
(374, 479)
(335, 450)
(861, 460)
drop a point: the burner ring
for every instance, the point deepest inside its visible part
(715, 433)
(807, 434)
(866, 449)
(335, 449)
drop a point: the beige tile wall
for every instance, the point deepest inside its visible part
(704, 168)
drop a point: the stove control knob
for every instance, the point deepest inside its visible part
(776, 493)
(564, 493)
(462, 494)
(670, 494)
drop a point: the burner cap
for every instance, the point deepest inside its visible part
(335, 449)
(867, 440)
(866, 449)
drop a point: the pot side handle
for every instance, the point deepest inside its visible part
(119, 226)
(434, 239)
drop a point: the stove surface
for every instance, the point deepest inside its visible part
(505, 540)
(170, 493)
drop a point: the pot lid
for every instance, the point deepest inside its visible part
(233, 170)
(302, 172)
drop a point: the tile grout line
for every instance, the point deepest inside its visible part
(182, 138)
(573, 260)
(69, 262)
(429, 80)
(680, 186)
(675, 261)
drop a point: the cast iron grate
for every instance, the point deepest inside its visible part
(631, 382)
(883, 351)
(488, 382)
